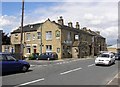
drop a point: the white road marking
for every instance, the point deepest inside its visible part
(32, 65)
(30, 82)
(60, 62)
(64, 62)
(70, 71)
(44, 65)
(112, 79)
(91, 65)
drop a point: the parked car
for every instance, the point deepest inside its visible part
(8, 63)
(105, 59)
(48, 56)
(117, 56)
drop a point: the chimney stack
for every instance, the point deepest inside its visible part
(70, 24)
(77, 25)
(98, 32)
(85, 28)
(60, 21)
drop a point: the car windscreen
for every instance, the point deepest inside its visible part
(104, 55)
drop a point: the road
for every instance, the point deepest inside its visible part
(70, 72)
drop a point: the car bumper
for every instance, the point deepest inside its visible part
(102, 63)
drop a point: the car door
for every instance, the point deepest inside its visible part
(3, 64)
(1, 58)
(11, 64)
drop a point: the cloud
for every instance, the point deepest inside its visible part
(6, 20)
(8, 23)
(102, 16)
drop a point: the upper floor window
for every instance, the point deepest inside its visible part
(28, 36)
(39, 35)
(48, 35)
(76, 37)
(57, 33)
(16, 34)
(33, 36)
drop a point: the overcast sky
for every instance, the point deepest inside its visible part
(98, 16)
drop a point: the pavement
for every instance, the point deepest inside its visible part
(115, 80)
(64, 72)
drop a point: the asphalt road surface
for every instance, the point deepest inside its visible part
(70, 72)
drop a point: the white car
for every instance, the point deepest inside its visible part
(105, 59)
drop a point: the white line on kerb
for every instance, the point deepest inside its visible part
(70, 71)
(112, 79)
(91, 65)
(30, 82)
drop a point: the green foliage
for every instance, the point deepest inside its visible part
(31, 57)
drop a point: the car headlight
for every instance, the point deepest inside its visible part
(107, 60)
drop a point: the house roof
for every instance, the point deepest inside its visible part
(72, 29)
(95, 34)
(28, 28)
(113, 46)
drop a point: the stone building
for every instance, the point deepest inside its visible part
(50, 36)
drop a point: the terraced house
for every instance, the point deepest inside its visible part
(50, 36)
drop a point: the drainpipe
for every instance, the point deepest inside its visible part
(41, 41)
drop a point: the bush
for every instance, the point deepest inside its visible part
(31, 57)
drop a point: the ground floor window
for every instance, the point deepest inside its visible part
(28, 49)
(48, 48)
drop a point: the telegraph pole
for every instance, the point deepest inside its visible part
(21, 44)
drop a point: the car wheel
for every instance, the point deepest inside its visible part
(109, 63)
(24, 68)
(114, 62)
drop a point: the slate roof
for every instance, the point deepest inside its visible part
(28, 28)
(72, 29)
(95, 34)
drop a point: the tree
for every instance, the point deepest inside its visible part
(5, 39)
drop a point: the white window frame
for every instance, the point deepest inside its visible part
(28, 49)
(38, 35)
(48, 48)
(28, 37)
(33, 36)
(48, 35)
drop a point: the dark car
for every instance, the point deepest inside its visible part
(117, 56)
(48, 56)
(8, 63)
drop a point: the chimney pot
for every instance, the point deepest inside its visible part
(70, 24)
(77, 25)
(98, 32)
(61, 21)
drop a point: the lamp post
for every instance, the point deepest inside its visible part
(21, 44)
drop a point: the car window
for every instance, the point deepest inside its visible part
(11, 58)
(2, 58)
(104, 55)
